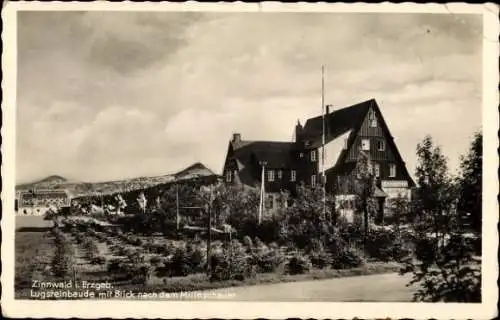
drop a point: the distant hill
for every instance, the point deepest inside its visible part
(84, 188)
(48, 182)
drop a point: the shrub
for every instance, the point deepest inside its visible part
(453, 275)
(379, 245)
(231, 263)
(179, 264)
(156, 260)
(91, 249)
(298, 264)
(247, 242)
(268, 261)
(98, 260)
(320, 259)
(63, 263)
(345, 259)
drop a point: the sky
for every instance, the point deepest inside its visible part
(111, 95)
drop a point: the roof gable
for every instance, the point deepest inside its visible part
(336, 123)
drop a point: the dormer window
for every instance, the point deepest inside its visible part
(313, 156)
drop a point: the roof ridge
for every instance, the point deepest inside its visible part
(271, 141)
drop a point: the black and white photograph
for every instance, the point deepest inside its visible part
(234, 154)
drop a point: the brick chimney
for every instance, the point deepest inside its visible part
(298, 131)
(327, 126)
(328, 109)
(236, 137)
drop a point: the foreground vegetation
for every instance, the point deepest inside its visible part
(146, 249)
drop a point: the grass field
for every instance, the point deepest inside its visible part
(33, 252)
(32, 222)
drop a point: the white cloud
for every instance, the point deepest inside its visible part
(145, 94)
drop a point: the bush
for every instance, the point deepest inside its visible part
(298, 264)
(386, 246)
(231, 263)
(91, 249)
(268, 261)
(346, 259)
(63, 263)
(380, 244)
(155, 260)
(453, 275)
(320, 260)
(180, 265)
(98, 260)
(247, 242)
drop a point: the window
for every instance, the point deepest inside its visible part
(380, 145)
(392, 170)
(372, 118)
(280, 174)
(293, 175)
(269, 201)
(377, 169)
(301, 155)
(371, 115)
(365, 144)
(270, 175)
(313, 156)
(228, 176)
(313, 180)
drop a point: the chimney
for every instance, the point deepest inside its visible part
(328, 109)
(327, 127)
(236, 137)
(298, 131)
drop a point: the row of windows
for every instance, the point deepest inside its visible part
(272, 175)
(375, 169)
(365, 145)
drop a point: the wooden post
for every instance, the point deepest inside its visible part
(209, 240)
(177, 218)
(230, 253)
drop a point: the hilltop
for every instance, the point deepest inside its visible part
(56, 182)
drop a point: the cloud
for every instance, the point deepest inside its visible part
(115, 94)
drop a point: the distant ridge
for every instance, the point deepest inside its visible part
(193, 171)
(55, 182)
(48, 181)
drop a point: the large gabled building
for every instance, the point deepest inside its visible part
(340, 138)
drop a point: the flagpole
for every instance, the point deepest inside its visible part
(262, 192)
(323, 178)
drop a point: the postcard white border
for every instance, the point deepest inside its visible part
(220, 309)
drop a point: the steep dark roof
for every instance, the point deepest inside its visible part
(275, 154)
(337, 122)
